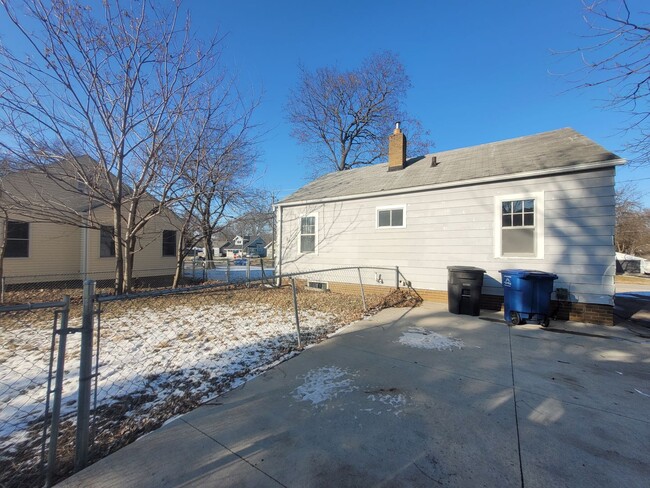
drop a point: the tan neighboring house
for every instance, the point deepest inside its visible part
(57, 230)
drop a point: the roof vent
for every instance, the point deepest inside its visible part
(434, 161)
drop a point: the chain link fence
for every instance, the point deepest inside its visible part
(150, 356)
(34, 391)
(46, 287)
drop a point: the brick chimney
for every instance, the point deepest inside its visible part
(396, 149)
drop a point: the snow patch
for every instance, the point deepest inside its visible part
(323, 384)
(426, 339)
(394, 402)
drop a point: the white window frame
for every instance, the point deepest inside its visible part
(391, 207)
(315, 251)
(539, 223)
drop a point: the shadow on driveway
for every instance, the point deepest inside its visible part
(417, 397)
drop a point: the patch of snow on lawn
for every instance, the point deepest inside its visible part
(324, 384)
(150, 356)
(426, 339)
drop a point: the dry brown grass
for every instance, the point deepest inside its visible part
(633, 280)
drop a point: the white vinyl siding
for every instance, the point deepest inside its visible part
(460, 226)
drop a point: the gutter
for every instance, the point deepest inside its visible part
(454, 184)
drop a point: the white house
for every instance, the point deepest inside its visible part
(245, 246)
(543, 202)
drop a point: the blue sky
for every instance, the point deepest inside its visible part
(481, 71)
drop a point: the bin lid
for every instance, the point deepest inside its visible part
(529, 274)
(454, 269)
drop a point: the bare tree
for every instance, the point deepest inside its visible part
(257, 221)
(617, 57)
(345, 117)
(217, 180)
(111, 81)
(632, 223)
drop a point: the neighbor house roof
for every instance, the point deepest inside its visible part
(247, 244)
(549, 152)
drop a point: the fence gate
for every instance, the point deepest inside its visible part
(34, 337)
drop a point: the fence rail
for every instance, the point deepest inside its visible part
(144, 357)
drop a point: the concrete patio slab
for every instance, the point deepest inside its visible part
(417, 397)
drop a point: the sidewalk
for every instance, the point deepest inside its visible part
(417, 397)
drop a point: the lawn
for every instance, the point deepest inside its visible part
(158, 358)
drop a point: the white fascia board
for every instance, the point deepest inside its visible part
(454, 184)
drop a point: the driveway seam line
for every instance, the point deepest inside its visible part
(234, 453)
(514, 398)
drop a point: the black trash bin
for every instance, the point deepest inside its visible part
(464, 285)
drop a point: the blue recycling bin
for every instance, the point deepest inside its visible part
(526, 295)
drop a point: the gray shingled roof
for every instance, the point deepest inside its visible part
(555, 150)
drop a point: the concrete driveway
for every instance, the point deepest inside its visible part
(417, 397)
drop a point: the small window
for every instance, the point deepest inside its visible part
(169, 243)
(107, 241)
(390, 217)
(308, 234)
(17, 242)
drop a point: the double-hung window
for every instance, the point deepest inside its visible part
(17, 242)
(520, 224)
(308, 235)
(169, 243)
(106, 241)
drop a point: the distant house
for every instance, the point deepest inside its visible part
(270, 250)
(543, 202)
(245, 246)
(56, 230)
(627, 263)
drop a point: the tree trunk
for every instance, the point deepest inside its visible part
(180, 258)
(209, 250)
(119, 248)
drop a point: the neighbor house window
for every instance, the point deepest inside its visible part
(169, 243)
(107, 241)
(17, 243)
(390, 217)
(308, 234)
(520, 226)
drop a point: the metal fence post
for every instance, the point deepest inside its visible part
(363, 295)
(58, 390)
(295, 309)
(397, 277)
(248, 271)
(85, 377)
(3, 282)
(227, 271)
